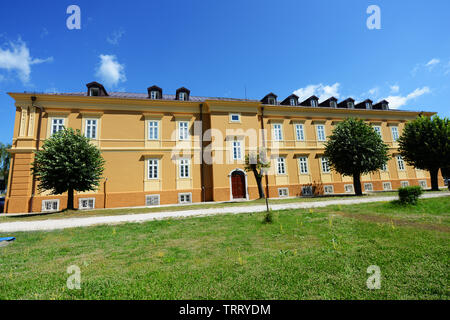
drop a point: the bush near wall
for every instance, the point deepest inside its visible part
(409, 195)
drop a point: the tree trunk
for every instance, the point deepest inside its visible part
(258, 178)
(434, 179)
(357, 184)
(70, 199)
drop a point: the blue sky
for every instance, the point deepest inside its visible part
(227, 48)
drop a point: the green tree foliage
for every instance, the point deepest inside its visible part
(409, 195)
(68, 162)
(257, 163)
(354, 149)
(5, 157)
(425, 144)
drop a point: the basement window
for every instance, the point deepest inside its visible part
(307, 191)
(368, 186)
(86, 203)
(387, 186)
(348, 188)
(328, 189)
(184, 198)
(423, 183)
(50, 205)
(404, 184)
(283, 192)
(152, 200)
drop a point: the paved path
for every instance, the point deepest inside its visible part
(54, 224)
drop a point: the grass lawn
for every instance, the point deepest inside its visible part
(318, 253)
(121, 211)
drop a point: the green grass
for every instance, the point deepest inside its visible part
(318, 253)
(121, 211)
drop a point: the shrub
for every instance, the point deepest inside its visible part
(409, 195)
(268, 217)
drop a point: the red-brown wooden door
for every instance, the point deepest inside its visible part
(238, 185)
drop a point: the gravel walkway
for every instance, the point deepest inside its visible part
(54, 224)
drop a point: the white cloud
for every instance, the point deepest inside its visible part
(110, 71)
(432, 62)
(115, 37)
(319, 90)
(16, 57)
(396, 102)
(395, 88)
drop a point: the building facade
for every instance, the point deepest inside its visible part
(169, 149)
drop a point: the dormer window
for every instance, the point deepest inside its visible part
(94, 92)
(182, 96)
(313, 103)
(333, 104)
(154, 95)
(368, 105)
(292, 102)
(350, 105)
(271, 100)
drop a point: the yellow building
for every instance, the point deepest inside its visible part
(168, 149)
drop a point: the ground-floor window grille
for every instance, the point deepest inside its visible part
(87, 203)
(307, 191)
(283, 192)
(328, 189)
(152, 200)
(423, 183)
(368, 186)
(184, 198)
(50, 205)
(387, 186)
(348, 188)
(404, 184)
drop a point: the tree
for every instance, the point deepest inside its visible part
(257, 163)
(68, 162)
(5, 157)
(425, 144)
(354, 149)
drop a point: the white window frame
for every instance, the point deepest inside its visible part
(320, 130)
(378, 130)
(303, 165)
(333, 104)
(150, 196)
(292, 102)
(367, 105)
(44, 207)
(183, 130)
(235, 114)
(299, 132)
(277, 132)
(91, 91)
(394, 132)
(184, 165)
(271, 100)
(387, 184)
(153, 130)
(423, 184)
(325, 165)
(151, 164)
(328, 187)
(400, 163)
(384, 167)
(404, 184)
(314, 103)
(350, 105)
(182, 96)
(309, 193)
(183, 195)
(368, 184)
(58, 126)
(281, 166)
(236, 149)
(348, 188)
(80, 201)
(153, 94)
(91, 134)
(283, 192)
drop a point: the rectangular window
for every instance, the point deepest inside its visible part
(394, 131)
(384, 167)
(368, 186)
(423, 183)
(86, 203)
(313, 103)
(277, 132)
(235, 117)
(325, 165)
(377, 130)
(50, 205)
(303, 164)
(183, 130)
(307, 191)
(328, 189)
(292, 102)
(57, 125)
(152, 200)
(320, 132)
(182, 96)
(387, 186)
(153, 169)
(153, 130)
(348, 188)
(400, 163)
(237, 155)
(91, 128)
(283, 192)
(299, 132)
(154, 95)
(184, 198)
(94, 92)
(404, 183)
(281, 165)
(184, 168)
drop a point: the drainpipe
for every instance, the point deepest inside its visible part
(202, 178)
(38, 141)
(264, 146)
(104, 193)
